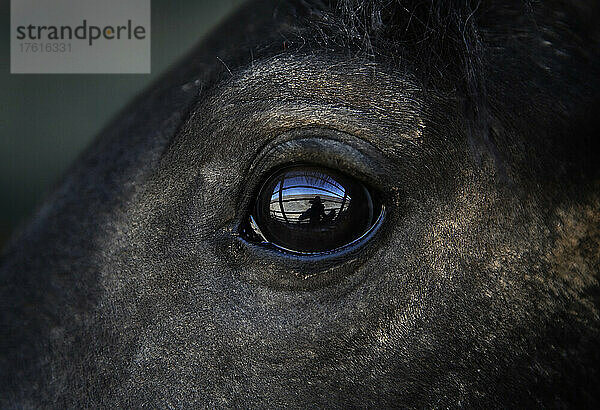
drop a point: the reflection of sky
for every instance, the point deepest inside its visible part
(309, 185)
(297, 192)
(291, 191)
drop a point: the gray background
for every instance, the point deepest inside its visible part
(47, 120)
(102, 57)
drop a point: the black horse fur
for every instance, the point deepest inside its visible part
(475, 120)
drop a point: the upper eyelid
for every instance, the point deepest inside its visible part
(351, 152)
(369, 167)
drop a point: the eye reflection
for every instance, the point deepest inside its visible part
(310, 209)
(308, 197)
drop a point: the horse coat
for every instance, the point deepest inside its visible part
(138, 281)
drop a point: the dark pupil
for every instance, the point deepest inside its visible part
(311, 209)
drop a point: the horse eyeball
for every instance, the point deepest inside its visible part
(309, 209)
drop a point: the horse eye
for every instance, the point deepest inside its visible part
(308, 209)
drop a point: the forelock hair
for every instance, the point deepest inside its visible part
(451, 42)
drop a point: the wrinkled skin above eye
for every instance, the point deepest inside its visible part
(474, 123)
(310, 209)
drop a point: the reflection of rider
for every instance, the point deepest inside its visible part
(316, 212)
